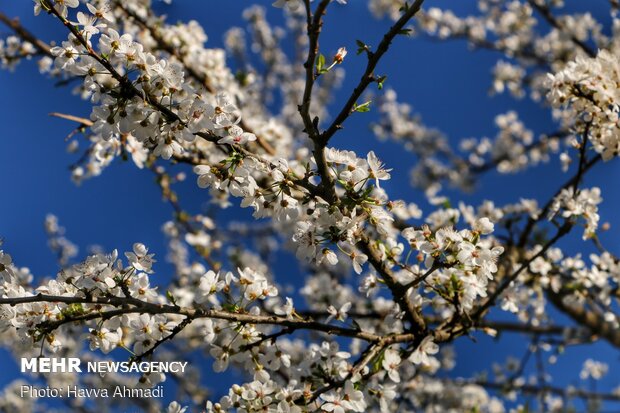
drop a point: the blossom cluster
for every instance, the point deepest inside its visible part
(585, 94)
(12, 50)
(583, 203)
(469, 262)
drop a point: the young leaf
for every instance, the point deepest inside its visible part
(380, 81)
(320, 63)
(364, 107)
(171, 298)
(361, 47)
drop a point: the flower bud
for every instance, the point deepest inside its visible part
(340, 54)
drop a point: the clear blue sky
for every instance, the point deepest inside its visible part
(445, 82)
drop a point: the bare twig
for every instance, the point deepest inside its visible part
(368, 77)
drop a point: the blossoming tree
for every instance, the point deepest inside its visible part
(389, 288)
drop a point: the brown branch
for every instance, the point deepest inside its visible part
(180, 215)
(81, 121)
(128, 87)
(421, 278)
(314, 25)
(588, 318)
(141, 307)
(501, 326)
(122, 80)
(399, 291)
(201, 78)
(26, 35)
(528, 54)
(270, 337)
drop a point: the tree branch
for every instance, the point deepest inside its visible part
(314, 25)
(141, 307)
(26, 35)
(368, 77)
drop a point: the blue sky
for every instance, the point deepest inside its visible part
(445, 82)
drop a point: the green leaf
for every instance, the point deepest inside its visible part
(367, 191)
(378, 360)
(230, 307)
(361, 47)
(405, 32)
(380, 82)
(171, 298)
(320, 63)
(241, 77)
(364, 107)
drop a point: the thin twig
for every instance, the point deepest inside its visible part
(368, 77)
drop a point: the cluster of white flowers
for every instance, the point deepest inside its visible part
(469, 260)
(508, 77)
(318, 225)
(12, 50)
(583, 203)
(139, 106)
(429, 145)
(64, 249)
(98, 276)
(594, 369)
(586, 95)
(513, 149)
